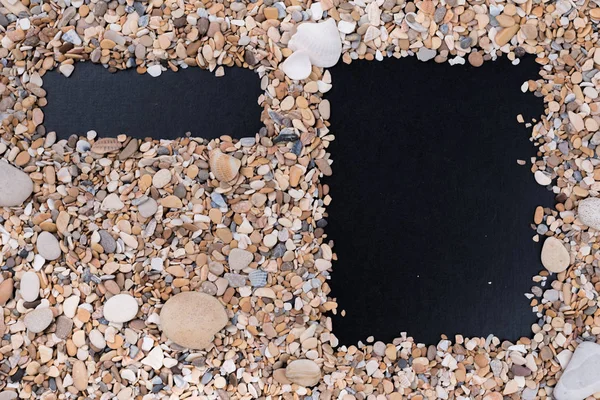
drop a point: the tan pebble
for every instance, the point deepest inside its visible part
(171, 202)
(271, 12)
(504, 36)
(80, 375)
(22, 158)
(6, 290)
(475, 59)
(303, 372)
(538, 217)
(555, 257)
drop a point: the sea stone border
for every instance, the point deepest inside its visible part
(90, 202)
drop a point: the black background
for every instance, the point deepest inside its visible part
(429, 203)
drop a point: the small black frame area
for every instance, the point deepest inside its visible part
(191, 100)
(431, 213)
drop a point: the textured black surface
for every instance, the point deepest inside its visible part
(191, 100)
(429, 202)
(431, 213)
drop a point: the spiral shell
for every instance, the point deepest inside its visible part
(258, 278)
(223, 166)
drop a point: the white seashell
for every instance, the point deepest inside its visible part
(320, 41)
(411, 21)
(297, 66)
(223, 166)
(83, 146)
(258, 278)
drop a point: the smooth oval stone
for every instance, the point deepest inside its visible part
(107, 242)
(148, 208)
(303, 372)
(47, 246)
(6, 290)
(15, 185)
(30, 286)
(80, 375)
(8, 395)
(191, 319)
(589, 212)
(555, 257)
(38, 320)
(120, 308)
(581, 378)
(239, 259)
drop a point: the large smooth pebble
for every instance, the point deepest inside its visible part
(8, 395)
(588, 212)
(303, 372)
(542, 178)
(120, 308)
(80, 375)
(148, 208)
(191, 319)
(161, 178)
(38, 320)
(48, 246)
(555, 257)
(239, 259)
(30, 286)
(581, 378)
(15, 185)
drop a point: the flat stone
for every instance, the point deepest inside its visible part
(581, 378)
(15, 185)
(303, 372)
(64, 326)
(107, 242)
(30, 286)
(129, 150)
(239, 259)
(191, 319)
(148, 208)
(70, 306)
(38, 320)
(120, 308)
(112, 203)
(555, 257)
(47, 246)
(161, 178)
(154, 358)
(8, 395)
(6, 290)
(589, 212)
(425, 54)
(80, 375)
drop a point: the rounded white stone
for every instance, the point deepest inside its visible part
(589, 212)
(15, 185)
(120, 308)
(47, 246)
(30, 286)
(555, 256)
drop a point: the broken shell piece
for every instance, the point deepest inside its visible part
(411, 21)
(223, 166)
(321, 42)
(297, 66)
(258, 278)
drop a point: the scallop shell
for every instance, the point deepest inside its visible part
(106, 145)
(321, 42)
(297, 66)
(258, 278)
(411, 21)
(224, 166)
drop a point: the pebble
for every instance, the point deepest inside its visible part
(581, 378)
(425, 54)
(303, 372)
(191, 319)
(6, 290)
(555, 256)
(8, 395)
(38, 320)
(161, 178)
(112, 203)
(542, 178)
(148, 208)
(15, 185)
(239, 259)
(107, 242)
(30, 286)
(588, 212)
(154, 70)
(80, 375)
(48, 246)
(120, 308)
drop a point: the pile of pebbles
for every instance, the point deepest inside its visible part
(100, 237)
